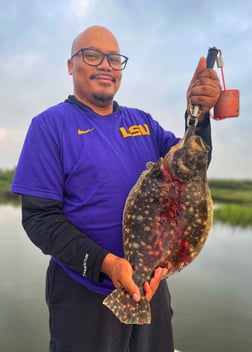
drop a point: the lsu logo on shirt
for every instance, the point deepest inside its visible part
(135, 130)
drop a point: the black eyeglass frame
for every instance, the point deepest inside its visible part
(123, 62)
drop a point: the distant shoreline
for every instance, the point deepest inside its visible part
(234, 198)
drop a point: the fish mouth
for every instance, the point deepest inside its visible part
(190, 140)
(188, 158)
(194, 141)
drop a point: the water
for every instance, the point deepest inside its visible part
(211, 298)
(23, 313)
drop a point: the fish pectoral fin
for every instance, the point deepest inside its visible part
(126, 309)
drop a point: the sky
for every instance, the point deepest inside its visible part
(163, 40)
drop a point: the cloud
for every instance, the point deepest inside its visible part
(3, 134)
(79, 9)
(163, 40)
(28, 86)
(11, 141)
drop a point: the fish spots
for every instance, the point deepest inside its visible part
(135, 245)
(166, 221)
(139, 218)
(126, 309)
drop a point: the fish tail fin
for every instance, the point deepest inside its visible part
(126, 309)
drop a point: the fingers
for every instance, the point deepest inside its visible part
(200, 68)
(129, 285)
(120, 272)
(204, 89)
(151, 288)
(124, 273)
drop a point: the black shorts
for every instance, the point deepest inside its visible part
(79, 322)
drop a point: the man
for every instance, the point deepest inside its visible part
(79, 161)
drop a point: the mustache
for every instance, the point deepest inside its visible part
(97, 75)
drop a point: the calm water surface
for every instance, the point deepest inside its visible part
(212, 298)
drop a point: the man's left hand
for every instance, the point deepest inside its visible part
(151, 287)
(204, 88)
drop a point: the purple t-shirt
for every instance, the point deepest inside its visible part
(90, 163)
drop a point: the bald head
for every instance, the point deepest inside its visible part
(93, 35)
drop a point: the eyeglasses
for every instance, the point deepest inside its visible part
(95, 57)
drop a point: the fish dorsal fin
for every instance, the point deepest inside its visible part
(149, 164)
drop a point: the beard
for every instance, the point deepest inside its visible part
(103, 97)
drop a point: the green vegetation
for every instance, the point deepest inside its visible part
(231, 191)
(234, 201)
(236, 215)
(232, 198)
(6, 177)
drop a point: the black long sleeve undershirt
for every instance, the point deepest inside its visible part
(54, 234)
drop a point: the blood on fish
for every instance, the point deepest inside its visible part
(166, 221)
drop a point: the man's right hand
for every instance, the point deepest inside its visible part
(120, 272)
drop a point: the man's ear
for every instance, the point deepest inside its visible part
(70, 66)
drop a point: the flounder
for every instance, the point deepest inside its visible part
(166, 221)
